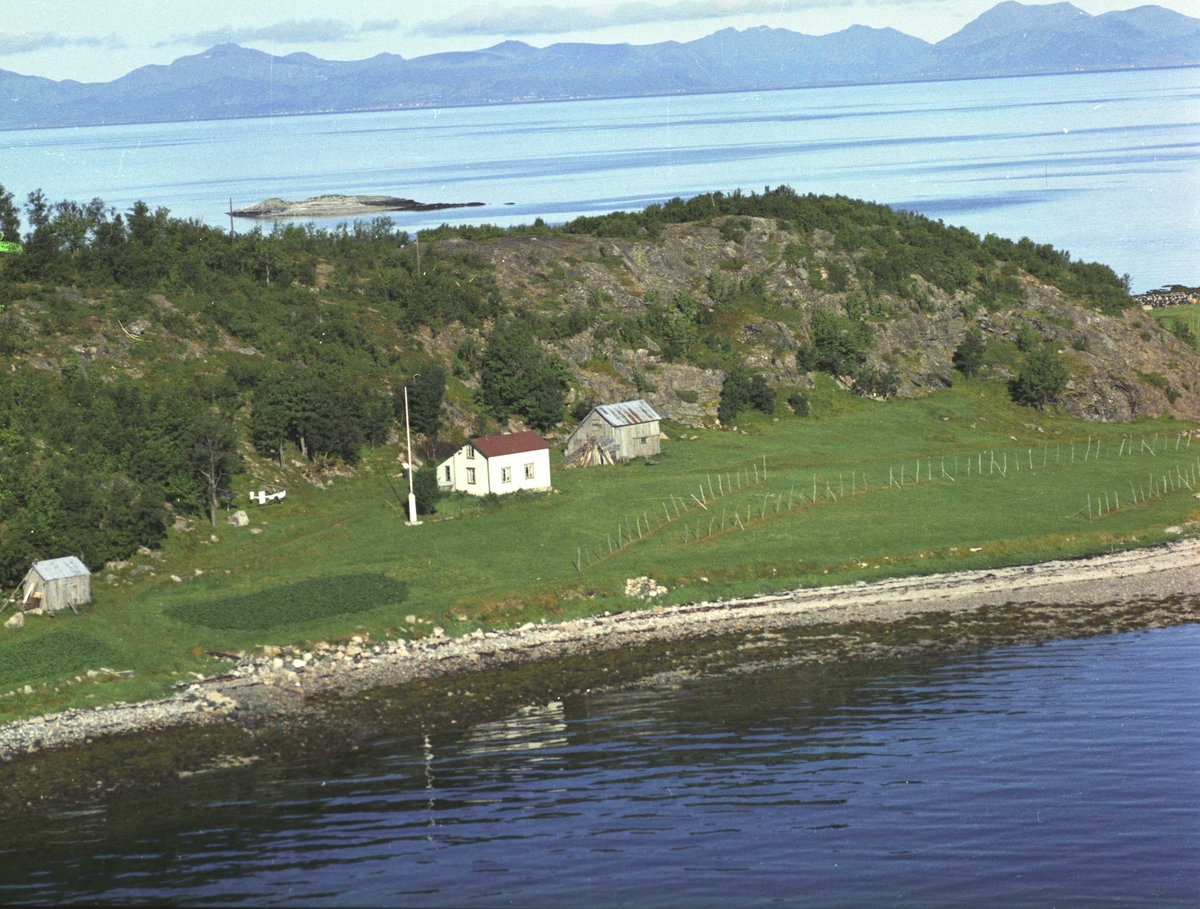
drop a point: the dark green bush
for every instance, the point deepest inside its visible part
(1027, 338)
(743, 388)
(839, 274)
(1157, 379)
(799, 403)
(876, 383)
(1183, 331)
(1041, 380)
(582, 407)
(839, 345)
(968, 356)
(425, 488)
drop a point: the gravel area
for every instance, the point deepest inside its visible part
(279, 682)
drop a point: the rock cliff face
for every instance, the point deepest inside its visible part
(1121, 367)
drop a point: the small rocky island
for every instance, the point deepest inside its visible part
(337, 206)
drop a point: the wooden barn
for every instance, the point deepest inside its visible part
(625, 431)
(57, 584)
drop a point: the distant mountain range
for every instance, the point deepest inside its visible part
(232, 81)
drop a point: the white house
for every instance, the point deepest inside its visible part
(499, 464)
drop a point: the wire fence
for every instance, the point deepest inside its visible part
(693, 516)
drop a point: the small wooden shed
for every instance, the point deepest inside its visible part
(626, 430)
(57, 584)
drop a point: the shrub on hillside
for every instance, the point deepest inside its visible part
(425, 392)
(876, 383)
(517, 376)
(838, 345)
(968, 356)
(742, 389)
(1027, 338)
(1183, 332)
(798, 401)
(1041, 380)
(425, 488)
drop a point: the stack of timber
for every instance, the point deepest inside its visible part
(592, 453)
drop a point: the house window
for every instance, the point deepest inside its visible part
(447, 473)
(529, 471)
(505, 474)
(470, 453)
(471, 475)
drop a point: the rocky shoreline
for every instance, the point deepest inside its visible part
(283, 685)
(338, 206)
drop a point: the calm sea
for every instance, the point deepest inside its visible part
(1057, 775)
(1105, 165)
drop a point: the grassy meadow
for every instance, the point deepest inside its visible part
(1172, 315)
(722, 513)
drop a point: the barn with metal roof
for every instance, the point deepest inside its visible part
(625, 431)
(57, 584)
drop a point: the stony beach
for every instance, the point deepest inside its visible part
(284, 685)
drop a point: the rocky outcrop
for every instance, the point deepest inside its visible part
(338, 206)
(1122, 367)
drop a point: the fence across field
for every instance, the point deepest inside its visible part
(742, 498)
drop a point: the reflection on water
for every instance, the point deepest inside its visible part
(1054, 775)
(529, 729)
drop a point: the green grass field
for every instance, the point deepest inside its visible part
(338, 561)
(1188, 315)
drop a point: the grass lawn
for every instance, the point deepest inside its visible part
(1187, 315)
(338, 561)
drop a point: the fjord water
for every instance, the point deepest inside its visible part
(1054, 775)
(1105, 165)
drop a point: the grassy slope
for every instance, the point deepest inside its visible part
(1188, 315)
(515, 562)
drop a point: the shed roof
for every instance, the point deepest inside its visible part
(54, 569)
(510, 443)
(627, 413)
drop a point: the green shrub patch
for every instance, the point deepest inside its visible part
(293, 604)
(52, 655)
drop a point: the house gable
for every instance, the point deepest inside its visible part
(498, 464)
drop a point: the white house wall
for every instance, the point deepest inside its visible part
(458, 464)
(515, 463)
(489, 472)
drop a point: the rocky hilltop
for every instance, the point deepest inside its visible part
(1121, 366)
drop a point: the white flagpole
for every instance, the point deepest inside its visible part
(412, 497)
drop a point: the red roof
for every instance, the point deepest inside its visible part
(512, 443)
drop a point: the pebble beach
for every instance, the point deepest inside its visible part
(282, 683)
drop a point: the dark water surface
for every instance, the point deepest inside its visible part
(1106, 165)
(1057, 775)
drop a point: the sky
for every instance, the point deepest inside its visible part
(94, 41)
